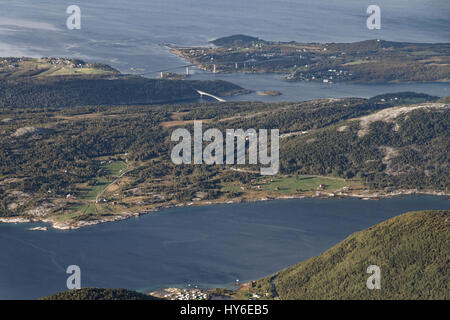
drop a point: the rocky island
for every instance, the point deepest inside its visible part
(270, 93)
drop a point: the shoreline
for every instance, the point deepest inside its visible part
(284, 76)
(71, 225)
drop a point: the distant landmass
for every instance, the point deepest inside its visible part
(237, 40)
(59, 82)
(370, 61)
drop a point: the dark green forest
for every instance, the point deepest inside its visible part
(421, 144)
(99, 294)
(411, 251)
(48, 153)
(71, 91)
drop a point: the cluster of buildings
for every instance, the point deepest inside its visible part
(181, 294)
(13, 63)
(72, 63)
(326, 76)
(10, 63)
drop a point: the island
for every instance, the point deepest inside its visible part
(370, 61)
(270, 93)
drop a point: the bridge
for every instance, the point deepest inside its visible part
(160, 71)
(202, 93)
(187, 67)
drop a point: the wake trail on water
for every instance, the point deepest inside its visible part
(51, 253)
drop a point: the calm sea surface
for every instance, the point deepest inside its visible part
(204, 246)
(130, 34)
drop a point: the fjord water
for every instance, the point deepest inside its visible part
(129, 34)
(205, 246)
(202, 245)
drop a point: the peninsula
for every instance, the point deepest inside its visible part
(82, 161)
(370, 61)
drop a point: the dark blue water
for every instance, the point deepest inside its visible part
(129, 34)
(205, 246)
(299, 91)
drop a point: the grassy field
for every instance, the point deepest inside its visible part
(351, 63)
(295, 184)
(64, 71)
(114, 168)
(95, 190)
(91, 209)
(40, 68)
(69, 216)
(424, 53)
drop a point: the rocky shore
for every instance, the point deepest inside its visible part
(363, 195)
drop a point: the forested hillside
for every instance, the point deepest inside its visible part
(78, 165)
(53, 83)
(411, 251)
(99, 294)
(70, 92)
(401, 147)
